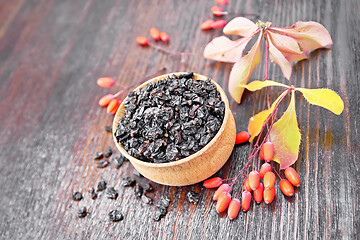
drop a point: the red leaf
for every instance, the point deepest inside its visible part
(240, 26)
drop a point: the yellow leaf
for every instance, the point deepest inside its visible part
(257, 85)
(257, 121)
(325, 98)
(285, 135)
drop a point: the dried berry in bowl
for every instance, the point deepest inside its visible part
(176, 129)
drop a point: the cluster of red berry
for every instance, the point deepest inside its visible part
(264, 190)
(218, 12)
(109, 101)
(155, 34)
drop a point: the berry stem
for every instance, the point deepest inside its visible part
(277, 174)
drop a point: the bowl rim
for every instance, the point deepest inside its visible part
(192, 156)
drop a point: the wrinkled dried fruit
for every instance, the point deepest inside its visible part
(98, 155)
(164, 37)
(92, 193)
(258, 193)
(223, 188)
(234, 208)
(242, 137)
(245, 200)
(108, 152)
(115, 216)
(105, 82)
(128, 182)
(155, 33)
(269, 195)
(138, 190)
(269, 180)
(111, 193)
(105, 100)
(266, 167)
(193, 197)
(292, 176)
(145, 199)
(82, 212)
(223, 202)
(148, 188)
(207, 24)
(101, 186)
(108, 128)
(118, 161)
(254, 179)
(268, 150)
(143, 41)
(286, 187)
(218, 24)
(77, 196)
(213, 182)
(102, 163)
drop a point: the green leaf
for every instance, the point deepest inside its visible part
(325, 98)
(257, 85)
(257, 121)
(285, 135)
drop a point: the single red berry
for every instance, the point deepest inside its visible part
(292, 176)
(143, 41)
(246, 186)
(269, 179)
(223, 202)
(217, 11)
(223, 188)
(206, 25)
(105, 100)
(164, 37)
(269, 195)
(266, 167)
(258, 193)
(213, 182)
(254, 179)
(234, 208)
(242, 137)
(113, 106)
(286, 187)
(268, 151)
(155, 33)
(222, 2)
(261, 153)
(105, 82)
(245, 200)
(218, 24)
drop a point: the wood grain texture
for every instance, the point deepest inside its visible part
(51, 53)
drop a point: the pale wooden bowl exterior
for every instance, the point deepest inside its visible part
(196, 167)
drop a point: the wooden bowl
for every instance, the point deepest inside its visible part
(196, 167)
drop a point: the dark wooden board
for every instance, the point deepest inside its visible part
(52, 52)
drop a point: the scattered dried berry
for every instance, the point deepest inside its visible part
(111, 193)
(105, 100)
(101, 186)
(143, 41)
(105, 82)
(128, 182)
(207, 24)
(98, 155)
(242, 137)
(138, 190)
(193, 197)
(118, 161)
(145, 199)
(163, 201)
(223, 188)
(164, 37)
(108, 152)
(77, 196)
(115, 216)
(218, 24)
(160, 212)
(213, 182)
(155, 33)
(102, 163)
(148, 188)
(93, 194)
(292, 176)
(82, 212)
(108, 128)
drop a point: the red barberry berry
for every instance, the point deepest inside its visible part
(242, 137)
(223, 202)
(292, 176)
(269, 195)
(164, 37)
(261, 153)
(266, 167)
(245, 200)
(217, 11)
(105, 82)
(246, 186)
(234, 208)
(222, 2)
(268, 151)
(213, 182)
(269, 179)
(218, 24)
(143, 41)
(286, 187)
(223, 188)
(254, 179)
(206, 25)
(155, 33)
(113, 106)
(105, 100)
(258, 193)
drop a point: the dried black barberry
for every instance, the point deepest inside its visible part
(111, 193)
(163, 201)
(118, 161)
(170, 119)
(145, 199)
(77, 196)
(108, 152)
(108, 128)
(92, 193)
(193, 197)
(101, 186)
(115, 216)
(98, 155)
(138, 190)
(128, 182)
(82, 212)
(148, 187)
(102, 163)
